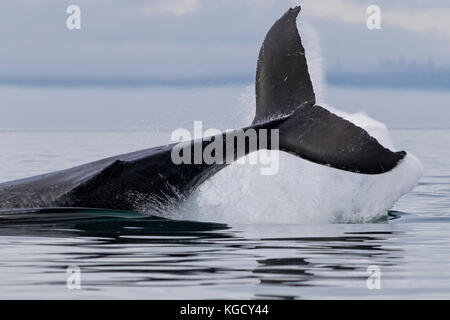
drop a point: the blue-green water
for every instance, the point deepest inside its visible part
(125, 255)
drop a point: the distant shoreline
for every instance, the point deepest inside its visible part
(439, 80)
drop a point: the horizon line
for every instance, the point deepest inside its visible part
(384, 79)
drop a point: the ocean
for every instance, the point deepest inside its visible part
(309, 232)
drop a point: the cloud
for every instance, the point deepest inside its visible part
(423, 20)
(174, 7)
(336, 9)
(426, 20)
(204, 38)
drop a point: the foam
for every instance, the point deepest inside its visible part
(302, 191)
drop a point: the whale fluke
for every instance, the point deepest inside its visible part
(283, 87)
(282, 77)
(318, 135)
(148, 180)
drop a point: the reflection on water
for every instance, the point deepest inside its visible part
(131, 256)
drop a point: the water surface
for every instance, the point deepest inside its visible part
(126, 255)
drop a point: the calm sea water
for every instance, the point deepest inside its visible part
(135, 256)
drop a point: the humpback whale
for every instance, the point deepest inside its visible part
(285, 100)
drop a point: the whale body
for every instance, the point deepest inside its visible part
(285, 101)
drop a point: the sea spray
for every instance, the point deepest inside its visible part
(302, 191)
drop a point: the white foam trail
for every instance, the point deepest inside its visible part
(303, 192)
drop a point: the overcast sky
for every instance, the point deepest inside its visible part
(172, 40)
(175, 39)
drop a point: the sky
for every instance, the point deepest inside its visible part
(111, 72)
(177, 40)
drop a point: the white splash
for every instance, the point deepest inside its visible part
(302, 191)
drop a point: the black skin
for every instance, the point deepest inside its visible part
(148, 180)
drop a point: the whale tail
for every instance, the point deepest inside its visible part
(282, 77)
(284, 89)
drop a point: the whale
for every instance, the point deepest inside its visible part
(149, 178)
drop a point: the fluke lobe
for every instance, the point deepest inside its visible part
(149, 179)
